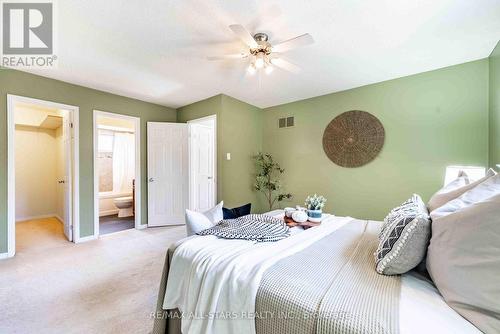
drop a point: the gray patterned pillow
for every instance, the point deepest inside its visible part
(404, 238)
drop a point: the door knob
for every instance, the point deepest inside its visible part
(150, 179)
(210, 177)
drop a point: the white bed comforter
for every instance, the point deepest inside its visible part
(209, 275)
(214, 282)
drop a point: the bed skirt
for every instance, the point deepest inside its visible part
(166, 322)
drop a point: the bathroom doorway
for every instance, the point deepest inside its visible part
(116, 173)
(43, 174)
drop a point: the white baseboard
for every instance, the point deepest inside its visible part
(142, 226)
(85, 239)
(108, 213)
(4, 256)
(23, 219)
(59, 218)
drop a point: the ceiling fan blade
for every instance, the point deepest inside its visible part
(293, 43)
(285, 65)
(231, 56)
(244, 35)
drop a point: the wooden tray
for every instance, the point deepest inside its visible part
(292, 223)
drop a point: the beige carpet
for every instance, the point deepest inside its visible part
(105, 286)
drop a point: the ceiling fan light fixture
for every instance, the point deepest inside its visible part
(262, 54)
(259, 60)
(251, 69)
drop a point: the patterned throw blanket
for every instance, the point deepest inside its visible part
(259, 228)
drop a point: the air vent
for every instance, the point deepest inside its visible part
(282, 123)
(286, 122)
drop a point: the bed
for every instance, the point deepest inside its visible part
(320, 280)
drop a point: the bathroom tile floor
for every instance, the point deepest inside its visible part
(110, 224)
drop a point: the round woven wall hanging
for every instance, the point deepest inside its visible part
(353, 138)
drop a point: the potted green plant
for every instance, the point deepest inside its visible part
(267, 179)
(314, 205)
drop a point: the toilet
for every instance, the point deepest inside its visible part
(125, 206)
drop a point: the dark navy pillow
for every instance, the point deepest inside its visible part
(237, 212)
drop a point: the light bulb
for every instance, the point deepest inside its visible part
(251, 69)
(269, 69)
(259, 61)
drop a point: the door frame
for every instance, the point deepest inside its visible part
(137, 138)
(74, 161)
(190, 164)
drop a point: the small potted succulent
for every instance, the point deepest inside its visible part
(314, 205)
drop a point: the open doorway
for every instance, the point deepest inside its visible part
(116, 172)
(42, 174)
(202, 163)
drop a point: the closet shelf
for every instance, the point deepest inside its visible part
(51, 122)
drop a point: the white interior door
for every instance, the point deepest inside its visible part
(168, 173)
(202, 147)
(67, 180)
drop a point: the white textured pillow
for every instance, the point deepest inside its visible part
(454, 190)
(198, 221)
(489, 188)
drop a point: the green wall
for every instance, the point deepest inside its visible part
(432, 120)
(24, 84)
(495, 106)
(239, 132)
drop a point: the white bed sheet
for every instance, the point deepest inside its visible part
(423, 309)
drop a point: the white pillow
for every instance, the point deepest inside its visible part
(454, 190)
(488, 188)
(198, 221)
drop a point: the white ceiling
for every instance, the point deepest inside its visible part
(155, 50)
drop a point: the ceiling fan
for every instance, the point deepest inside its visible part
(263, 55)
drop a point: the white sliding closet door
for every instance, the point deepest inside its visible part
(168, 173)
